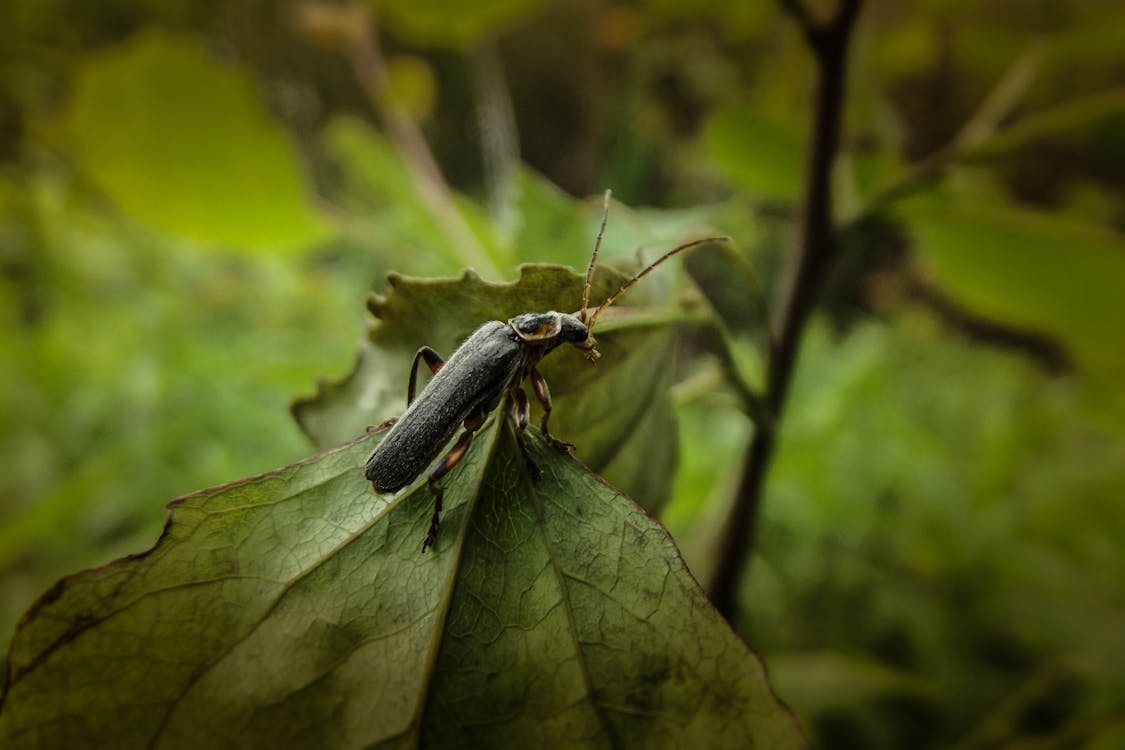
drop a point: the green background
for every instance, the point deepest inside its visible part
(197, 197)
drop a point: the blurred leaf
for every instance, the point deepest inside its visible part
(759, 154)
(136, 364)
(725, 277)
(382, 194)
(556, 228)
(1027, 269)
(741, 343)
(713, 436)
(450, 23)
(910, 47)
(552, 225)
(180, 142)
(596, 406)
(908, 459)
(821, 681)
(295, 609)
(412, 85)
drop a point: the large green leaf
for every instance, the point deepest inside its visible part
(295, 610)
(180, 142)
(614, 411)
(1029, 269)
(757, 151)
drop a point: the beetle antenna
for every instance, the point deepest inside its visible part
(628, 284)
(593, 260)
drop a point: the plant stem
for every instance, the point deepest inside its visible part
(499, 139)
(816, 251)
(370, 69)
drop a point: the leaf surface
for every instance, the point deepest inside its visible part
(294, 609)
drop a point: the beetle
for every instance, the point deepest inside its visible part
(490, 366)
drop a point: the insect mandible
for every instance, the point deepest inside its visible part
(491, 365)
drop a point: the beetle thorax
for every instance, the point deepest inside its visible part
(545, 331)
(549, 328)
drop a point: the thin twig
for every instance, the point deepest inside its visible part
(1025, 130)
(1004, 96)
(815, 253)
(496, 123)
(977, 130)
(371, 71)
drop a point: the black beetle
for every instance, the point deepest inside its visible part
(489, 366)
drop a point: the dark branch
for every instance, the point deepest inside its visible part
(815, 254)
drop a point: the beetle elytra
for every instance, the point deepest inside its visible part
(489, 367)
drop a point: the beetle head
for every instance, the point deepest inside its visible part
(553, 328)
(576, 332)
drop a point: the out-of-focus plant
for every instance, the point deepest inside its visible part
(933, 558)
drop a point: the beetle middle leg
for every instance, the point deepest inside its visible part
(383, 426)
(519, 401)
(543, 393)
(448, 461)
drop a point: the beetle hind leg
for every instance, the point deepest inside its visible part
(448, 461)
(433, 361)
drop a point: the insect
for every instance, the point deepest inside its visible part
(490, 366)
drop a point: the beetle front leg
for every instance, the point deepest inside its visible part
(543, 393)
(433, 361)
(519, 399)
(448, 461)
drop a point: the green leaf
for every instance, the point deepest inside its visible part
(181, 142)
(1028, 269)
(383, 197)
(552, 226)
(594, 405)
(758, 152)
(295, 609)
(726, 278)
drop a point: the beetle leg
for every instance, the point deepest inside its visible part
(543, 393)
(451, 459)
(382, 426)
(520, 408)
(433, 361)
(519, 399)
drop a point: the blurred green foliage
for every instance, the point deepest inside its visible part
(195, 198)
(250, 194)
